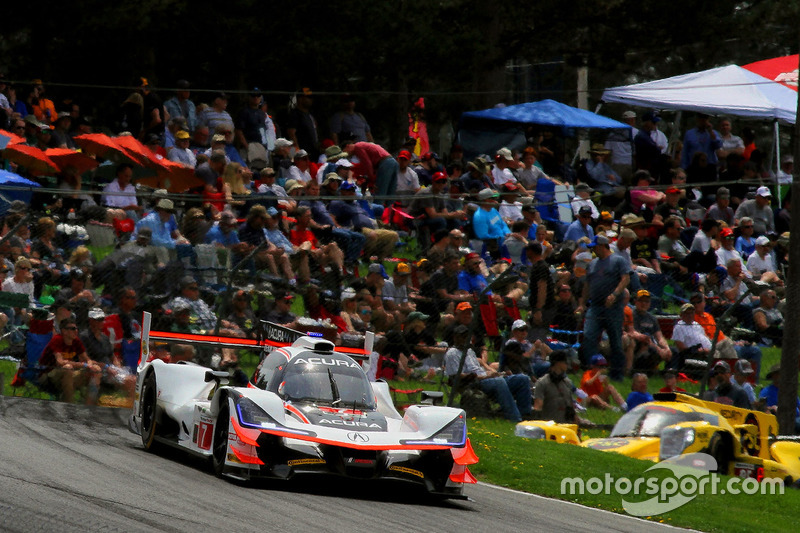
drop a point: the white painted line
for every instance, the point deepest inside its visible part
(539, 496)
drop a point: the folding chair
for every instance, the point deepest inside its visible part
(29, 369)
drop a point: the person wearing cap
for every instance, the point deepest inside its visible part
(606, 180)
(742, 375)
(66, 366)
(638, 394)
(725, 390)
(223, 234)
(703, 139)
(510, 207)
(120, 194)
(350, 214)
(428, 206)
(606, 278)
(407, 179)
(301, 126)
(487, 223)
(759, 210)
(673, 205)
(583, 198)
(181, 153)
(162, 225)
(599, 392)
(299, 170)
(650, 146)
(395, 291)
(327, 255)
(671, 248)
(648, 347)
(331, 156)
(216, 115)
(761, 263)
(535, 352)
(379, 167)
(61, 137)
(670, 382)
(189, 296)
(726, 252)
(512, 392)
(504, 162)
(181, 105)
(580, 227)
(784, 176)
(553, 395)
(347, 123)
(426, 167)
(281, 312)
(99, 349)
(721, 209)
(76, 293)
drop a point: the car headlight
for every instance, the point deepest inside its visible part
(252, 415)
(674, 441)
(529, 432)
(453, 434)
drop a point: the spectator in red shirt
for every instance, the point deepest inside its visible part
(670, 383)
(304, 238)
(67, 365)
(378, 165)
(596, 386)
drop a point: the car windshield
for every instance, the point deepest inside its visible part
(332, 381)
(648, 420)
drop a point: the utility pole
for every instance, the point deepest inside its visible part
(787, 385)
(583, 101)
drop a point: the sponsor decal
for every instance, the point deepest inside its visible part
(278, 334)
(357, 437)
(406, 470)
(204, 432)
(325, 361)
(233, 459)
(295, 462)
(350, 423)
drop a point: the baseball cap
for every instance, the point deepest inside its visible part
(486, 194)
(720, 367)
(439, 176)
(585, 211)
(505, 153)
(96, 314)
(416, 315)
(510, 186)
(403, 268)
(282, 142)
(346, 163)
(404, 154)
(271, 211)
(726, 232)
(470, 256)
(464, 306)
(743, 366)
(519, 324)
(375, 268)
(629, 114)
(764, 192)
(673, 190)
(183, 134)
(651, 116)
(598, 360)
(300, 154)
(687, 307)
(598, 239)
(642, 293)
(347, 186)
(583, 187)
(762, 241)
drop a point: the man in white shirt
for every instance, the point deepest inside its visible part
(299, 171)
(620, 142)
(761, 260)
(501, 173)
(583, 198)
(703, 239)
(180, 153)
(407, 179)
(510, 209)
(126, 201)
(731, 144)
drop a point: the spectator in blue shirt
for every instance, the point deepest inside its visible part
(470, 279)
(703, 139)
(224, 234)
(769, 395)
(582, 226)
(487, 222)
(159, 223)
(639, 394)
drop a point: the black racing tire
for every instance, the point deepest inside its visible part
(219, 443)
(720, 450)
(148, 410)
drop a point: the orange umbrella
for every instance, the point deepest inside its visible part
(174, 177)
(135, 147)
(65, 157)
(31, 158)
(15, 139)
(101, 145)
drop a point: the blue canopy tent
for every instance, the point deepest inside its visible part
(484, 132)
(14, 187)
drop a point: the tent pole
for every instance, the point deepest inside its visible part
(776, 141)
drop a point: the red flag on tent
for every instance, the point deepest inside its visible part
(780, 69)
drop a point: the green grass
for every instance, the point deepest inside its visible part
(539, 467)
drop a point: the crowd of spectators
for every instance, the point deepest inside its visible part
(500, 276)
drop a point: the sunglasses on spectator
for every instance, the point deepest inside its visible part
(70, 328)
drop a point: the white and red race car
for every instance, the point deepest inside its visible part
(308, 408)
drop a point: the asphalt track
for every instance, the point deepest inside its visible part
(67, 468)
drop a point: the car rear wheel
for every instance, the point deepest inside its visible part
(219, 446)
(148, 413)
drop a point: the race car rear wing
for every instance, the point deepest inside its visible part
(273, 336)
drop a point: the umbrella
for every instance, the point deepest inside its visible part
(140, 151)
(10, 179)
(31, 158)
(174, 177)
(65, 157)
(15, 139)
(102, 145)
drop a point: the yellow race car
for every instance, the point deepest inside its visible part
(742, 441)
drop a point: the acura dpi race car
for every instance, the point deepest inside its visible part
(308, 408)
(743, 442)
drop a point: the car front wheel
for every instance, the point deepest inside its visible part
(219, 450)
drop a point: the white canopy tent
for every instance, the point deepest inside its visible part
(730, 90)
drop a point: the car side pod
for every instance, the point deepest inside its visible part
(461, 458)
